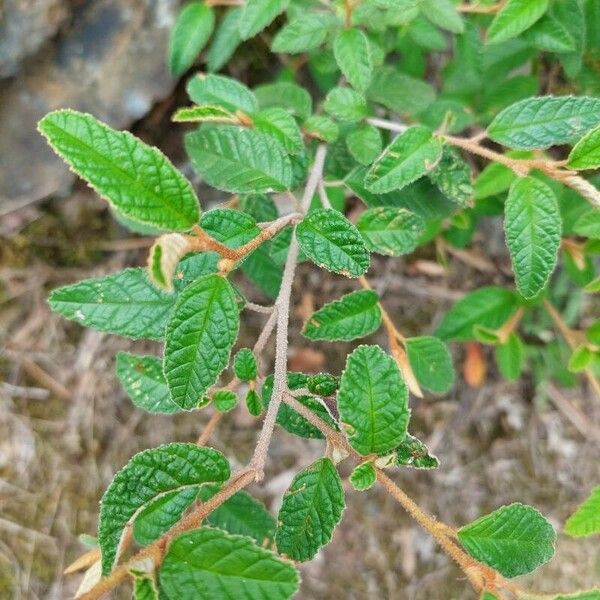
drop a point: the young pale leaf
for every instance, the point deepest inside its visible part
(161, 514)
(390, 231)
(305, 32)
(225, 41)
(221, 91)
(363, 477)
(510, 357)
(373, 401)
(488, 307)
(453, 177)
(244, 365)
(353, 55)
(515, 17)
(431, 363)
(281, 126)
(199, 337)
(312, 507)
(241, 515)
(412, 452)
(586, 153)
(239, 160)
(364, 143)
(410, 156)
(545, 121)
(125, 303)
(353, 316)
(163, 258)
(143, 379)
(443, 13)
(257, 14)
(190, 34)
(288, 418)
(345, 104)
(586, 519)
(532, 225)
(147, 475)
(204, 114)
(206, 563)
(136, 179)
(322, 128)
(333, 243)
(514, 539)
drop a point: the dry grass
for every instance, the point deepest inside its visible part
(65, 427)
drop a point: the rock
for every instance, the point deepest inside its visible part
(110, 62)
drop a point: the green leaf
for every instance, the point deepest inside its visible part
(515, 17)
(399, 92)
(221, 91)
(532, 225)
(189, 35)
(588, 225)
(586, 519)
(306, 31)
(253, 403)
(288, 418)
(225, 41)
(125, 303)
(373, 401)
(345, 104)
(514, 539)
(312, 507)
(489, 596)
(586, 153)
(257, 14)
(431, 363)
(321, 128)
(551, 35)
(161, 514)
(244, 365)
(143, 380)
(230, 227)
(412, 452)
(364, 143)
(200, 334)
(580, 359)
(292, 97)
(545, 121)
(333, 243)
(390, 231)
(144, 588)
(487, 307)
(353, 55)
(224, 400)
(263, 271)
(323, 384)
(353, 316)
(204, 113)
(146, 476)
(443, 13)
(363, 477)
(241, 515)
(239, 160)
(410, 156)
(136, 179)
(453, 177)
(510, 357)
(280, 125)
(206, 563)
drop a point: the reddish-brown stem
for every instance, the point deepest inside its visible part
(209, 428)
(484, 10)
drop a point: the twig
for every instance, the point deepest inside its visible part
(209, 428)
(389, 125)
(283, 317)
(259, 308)
(483, 10)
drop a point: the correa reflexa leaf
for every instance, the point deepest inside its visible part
(146, 476)
(363, 477)
(514, 539)
(514, 18)
(586, 519)
(353, 56)
(208, 563)
(137, 179)
(373, 401)
(431, 363)
(312, 507)
(200, 334)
